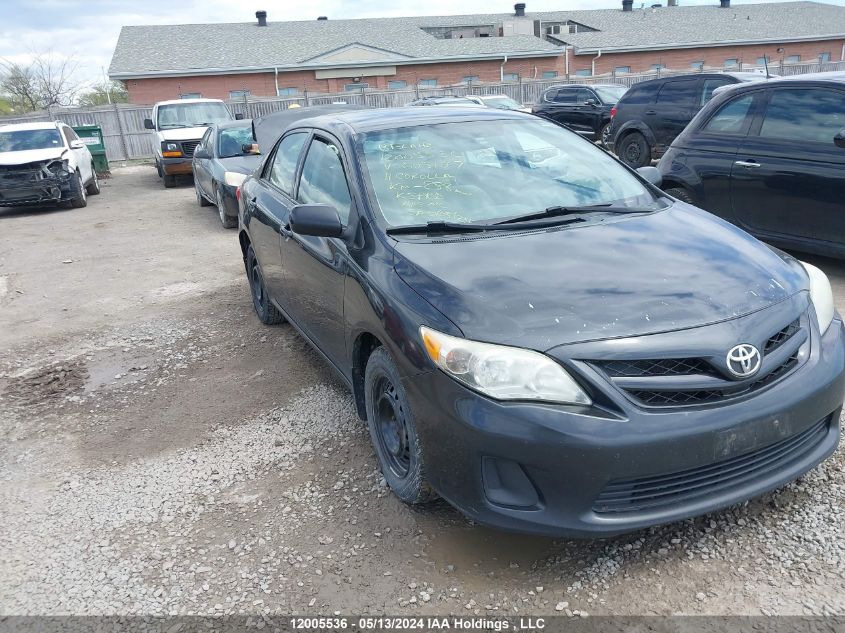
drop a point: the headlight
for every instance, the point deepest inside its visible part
(503, 373)
(171, 147)
(59, 168)
(233, 178)
(821, 295)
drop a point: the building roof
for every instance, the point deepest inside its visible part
(244, 47)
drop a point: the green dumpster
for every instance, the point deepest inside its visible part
(92, 136)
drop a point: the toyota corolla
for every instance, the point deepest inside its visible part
(533, 331)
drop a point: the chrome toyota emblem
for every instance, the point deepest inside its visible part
(743, 360)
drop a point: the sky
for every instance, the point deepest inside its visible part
(87, 30)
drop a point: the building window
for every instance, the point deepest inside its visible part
(190, 95)
(354, 87)
(239, 94)
(469, 79)
(762, 61)
(510, 77)
(397, 84)
(793, 59)
(287, 92)
(622, 70)
(658, 66)
(427, 82)
(824, 58)
(697, 65)
(583, 72)
(731, 62)
(549, 74)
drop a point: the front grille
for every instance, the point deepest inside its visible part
(778, 339)
(661, 491)
(658, 367)
(188, 147)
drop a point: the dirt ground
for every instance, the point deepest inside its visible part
(165, 453)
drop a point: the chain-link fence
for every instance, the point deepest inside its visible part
(125, 136)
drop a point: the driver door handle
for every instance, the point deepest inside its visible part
(749, 164)
(651, 112)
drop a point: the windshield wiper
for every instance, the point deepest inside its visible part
(552, 212)
(458, 227)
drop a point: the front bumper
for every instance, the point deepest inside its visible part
(176, 166)
(548, 469)
(32, 187)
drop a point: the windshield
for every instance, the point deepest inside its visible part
(610, 94)
(231, 140)
(502, 103)
(191, 115)
(479, 171)
(23, 140)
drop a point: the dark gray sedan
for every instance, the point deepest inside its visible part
(224, 156)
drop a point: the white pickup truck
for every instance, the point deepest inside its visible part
(179, 126)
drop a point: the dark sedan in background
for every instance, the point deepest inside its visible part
(532, 330)
(221, 160)
(582, 108)
(770, 158)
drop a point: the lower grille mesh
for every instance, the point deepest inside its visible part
(660, 491)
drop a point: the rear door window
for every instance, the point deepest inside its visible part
(682, 92)
(732, 118)
(283, 167)
(813, 115)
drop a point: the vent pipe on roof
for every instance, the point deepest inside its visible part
(322, 18)
(725, 4)
(627, 5)
(262, 18)
(519, 10)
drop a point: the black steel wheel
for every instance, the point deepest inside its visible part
(634, 150)
(393, 430)
(264, 308)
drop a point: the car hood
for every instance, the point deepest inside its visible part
(182, 133)
(636, 275)
(31, 156)
(241, 164)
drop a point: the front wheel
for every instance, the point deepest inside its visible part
(393, 431)
(634, 151)
(681, 194)
(201, 201)
(78, 196)
(93, 187)
(264, 308)
(169, 181)
(227, 221)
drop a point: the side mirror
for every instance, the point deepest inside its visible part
(202, 153)
(652, 175)
(320, 220)
(76, 144)
(148, 124)
(839, 139)
(250, 148)
(591, 102)
(239, 116)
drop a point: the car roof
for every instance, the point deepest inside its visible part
(837, 78)
(174, 101)
(230, 124)
(35, 125)
(585, 86)
(389, 118)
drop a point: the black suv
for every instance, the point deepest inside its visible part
(582, 108)
(652, 113)
(769, 158)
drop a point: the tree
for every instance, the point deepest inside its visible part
(45, 81)
(107, 92)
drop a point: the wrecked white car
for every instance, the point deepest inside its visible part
(45, 164)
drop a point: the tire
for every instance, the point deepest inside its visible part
(158, 170)
(681, 194)
(169, 181)
(264, 308)
(78, 197)
(93, 187)
(604, 134)
(393, 431)
(227, 221)
(634, 150)
(201, 201)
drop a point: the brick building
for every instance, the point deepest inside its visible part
(265, 58)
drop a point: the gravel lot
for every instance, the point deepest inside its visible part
(167, 454)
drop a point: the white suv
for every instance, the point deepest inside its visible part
(45, 163)
(179, 125)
